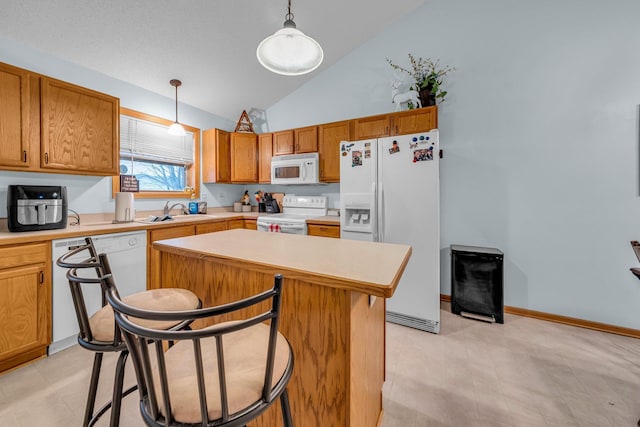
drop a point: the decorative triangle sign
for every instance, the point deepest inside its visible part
(244, 123)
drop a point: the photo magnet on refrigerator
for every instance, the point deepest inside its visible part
(394, 148)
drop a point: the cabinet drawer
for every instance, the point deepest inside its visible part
(12, 256)
(172, 232)
(324, 230)
(236, 223)
(211, 227)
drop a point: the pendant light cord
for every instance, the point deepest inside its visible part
(176, 103)
(289, 15)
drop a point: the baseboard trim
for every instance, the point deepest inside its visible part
(572, 321)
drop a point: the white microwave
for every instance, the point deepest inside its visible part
(295, 169)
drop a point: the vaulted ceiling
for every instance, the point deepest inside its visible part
(208, 44)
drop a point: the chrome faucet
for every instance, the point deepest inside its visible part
(167, 209)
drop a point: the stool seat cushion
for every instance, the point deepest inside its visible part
(168, 299)
(245, 356)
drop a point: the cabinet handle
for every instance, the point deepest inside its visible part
(41, 277)
(46, 158)
(24, 156)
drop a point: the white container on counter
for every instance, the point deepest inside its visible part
(125, 212)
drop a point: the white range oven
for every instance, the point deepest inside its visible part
(295, 212)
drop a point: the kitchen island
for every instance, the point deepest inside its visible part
(333, 310)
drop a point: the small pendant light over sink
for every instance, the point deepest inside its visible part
(176, 128)
(289, 51)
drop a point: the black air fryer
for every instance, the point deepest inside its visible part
(36, 207)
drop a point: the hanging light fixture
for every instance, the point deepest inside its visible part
(289, 51)
(176, 128)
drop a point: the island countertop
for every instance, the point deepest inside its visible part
(367, 267)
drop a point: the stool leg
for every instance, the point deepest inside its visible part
(93, 388)
(286, 411)
(116, 399)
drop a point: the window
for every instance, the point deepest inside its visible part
(165, 165)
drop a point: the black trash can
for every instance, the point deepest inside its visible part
(477, 282)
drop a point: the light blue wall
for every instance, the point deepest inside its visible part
(540, 135)
(93, 194)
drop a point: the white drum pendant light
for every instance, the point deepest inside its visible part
(289, 51)
(176, 128)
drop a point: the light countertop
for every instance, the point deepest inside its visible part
(368, 267)
(101, 224)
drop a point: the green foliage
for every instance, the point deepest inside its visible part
(426, 74)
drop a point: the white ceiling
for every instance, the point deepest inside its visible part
(208, 44)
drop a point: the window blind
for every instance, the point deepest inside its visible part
(143, 140)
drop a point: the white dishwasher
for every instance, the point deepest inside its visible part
(127, 254)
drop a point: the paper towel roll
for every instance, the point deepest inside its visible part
(124, 207)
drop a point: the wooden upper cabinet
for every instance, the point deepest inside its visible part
(371, 127)
(244, 157)
(265, 150)
(80, 129)
(306, 139)
(329, 137)
(283, 142)
(14, 117)
(216, 156)
(412, 121)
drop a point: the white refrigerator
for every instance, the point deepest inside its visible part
(389, 192)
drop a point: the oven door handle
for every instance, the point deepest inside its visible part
(291, 227)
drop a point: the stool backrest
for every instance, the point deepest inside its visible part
(89, 271)
(152, 361)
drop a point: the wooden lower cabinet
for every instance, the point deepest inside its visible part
(324, 230)
(25, 303)
(153, 256)
(251, 224)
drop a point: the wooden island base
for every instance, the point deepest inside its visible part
(337, 333)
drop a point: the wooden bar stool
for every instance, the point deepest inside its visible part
(99, 332)
(222, 375)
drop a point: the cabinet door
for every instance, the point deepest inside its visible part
(329, 137)
(418, 120)
(14, 117)
(306, 139)
(283, 142)
(265, 147)
(371, 127)
(244, 157)
(251, 224)
(216, 156)
(25, 296)
(80, 129)
(211, 227)
(153, 256)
